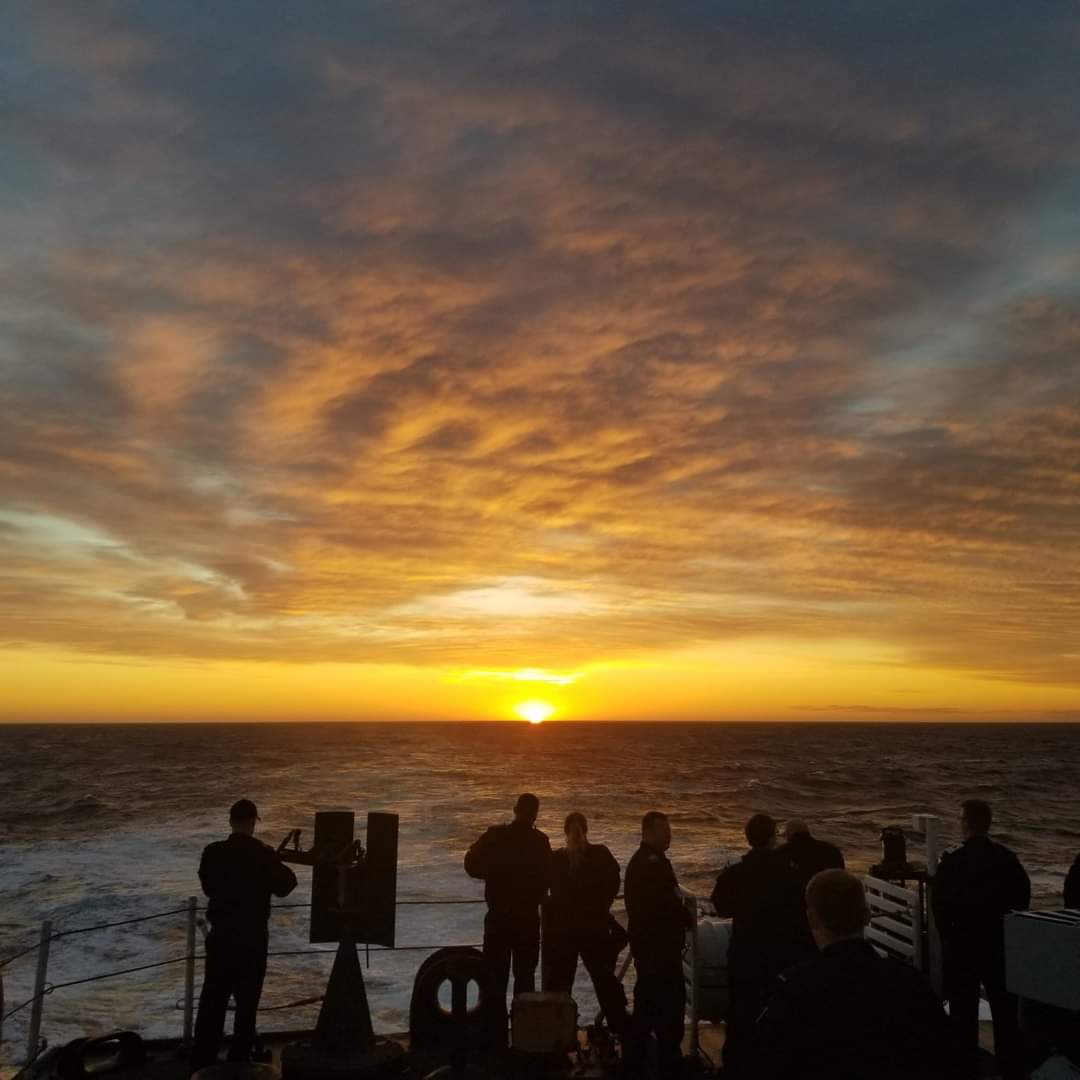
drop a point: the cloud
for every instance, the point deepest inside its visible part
(371, 336)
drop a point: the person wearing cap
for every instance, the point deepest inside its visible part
(658, 921)
(849, 1013)
(514, 862)
(238, 875)
(806, 856)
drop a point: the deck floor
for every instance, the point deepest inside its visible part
(166, 1062)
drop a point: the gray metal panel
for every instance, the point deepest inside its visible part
(1042, 957)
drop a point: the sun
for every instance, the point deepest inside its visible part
(536, 712)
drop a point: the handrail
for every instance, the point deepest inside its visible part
(89, 929)
(4, 961)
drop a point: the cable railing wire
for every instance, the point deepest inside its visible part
(4, 961)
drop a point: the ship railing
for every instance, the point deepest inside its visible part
(49, 934)
(896, 921)
(900, 925)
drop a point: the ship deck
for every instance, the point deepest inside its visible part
(167, 1061)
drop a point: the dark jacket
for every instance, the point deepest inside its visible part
(239, 875)
(581, 896)
(975, 886)
(806, 855)
(1072, 885)
(514, 862)
(762, 897)
(850, 1014)
(658, 919)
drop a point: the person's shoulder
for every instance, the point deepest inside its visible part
(215, 848)
(644, 859)
(1003, 852)
(951, 855)
(731, 871)
(903, 979)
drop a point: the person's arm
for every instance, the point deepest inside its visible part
(282, 878)
(941, 895)
(722, 895)
(778, 1036)
(207, 876)
(477, 857)
(1072, 885)
(936, 1046)
(610, 877)
(1020, 898)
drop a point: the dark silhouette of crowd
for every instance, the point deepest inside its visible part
(809, 995)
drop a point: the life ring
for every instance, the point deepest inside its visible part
(101, 1055)
(481, 1027)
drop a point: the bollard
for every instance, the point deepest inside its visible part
(189, 972)
(34, 1034)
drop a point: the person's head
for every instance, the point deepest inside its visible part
(656, 830)
(242, 817)
(975, 818)
(836, 907)
(795, 827)
(761, 831)
(576, 829)
(526, 808)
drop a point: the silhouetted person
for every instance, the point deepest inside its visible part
(577, 920)
(238, 875)
(658, 921)
(806, 855)
(849, 1014)
(514, 862)
(761, 895)
(1072, 885)
(975, 886)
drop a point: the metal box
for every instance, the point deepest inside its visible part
(1042, 956)
(544, 1023)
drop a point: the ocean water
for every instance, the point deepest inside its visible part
(106, 823)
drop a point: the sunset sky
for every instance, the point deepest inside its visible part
(643, 360)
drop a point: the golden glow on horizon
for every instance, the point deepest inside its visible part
(536, 712)
(751, 680)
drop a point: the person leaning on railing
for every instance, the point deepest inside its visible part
(238, 875)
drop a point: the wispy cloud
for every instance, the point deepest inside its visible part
(505, 335)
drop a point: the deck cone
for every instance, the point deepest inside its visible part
(345, 1019)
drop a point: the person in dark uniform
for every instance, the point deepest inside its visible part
(1072, 885)
(658, 921)
(238, 875)
(577, 920)
(761, 895)
(806, 855)
(975, 886)
(849, 1013)
(514, 862)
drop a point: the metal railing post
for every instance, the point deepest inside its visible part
(189, 971)
(695, 963)
(33, 1036)
(930, 826)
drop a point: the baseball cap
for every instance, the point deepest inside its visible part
(243, 810)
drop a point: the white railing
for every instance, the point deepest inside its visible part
(896, 921)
